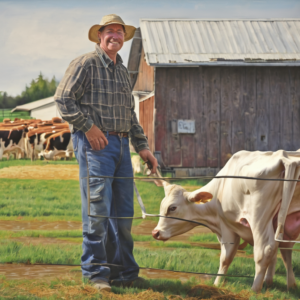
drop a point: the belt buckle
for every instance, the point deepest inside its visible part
(121, 134)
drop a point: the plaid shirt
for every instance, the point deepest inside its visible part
(95, 91)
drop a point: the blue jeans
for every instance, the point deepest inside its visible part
(106, 240)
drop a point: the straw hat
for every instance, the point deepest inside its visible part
(111, 19)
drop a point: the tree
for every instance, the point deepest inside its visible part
(39, 88)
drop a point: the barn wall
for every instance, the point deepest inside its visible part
(147, 120)
(145, 78)
(46, 112)
(234, 108)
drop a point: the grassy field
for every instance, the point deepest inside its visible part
(192, 260)
(5, 113)
(56, 200)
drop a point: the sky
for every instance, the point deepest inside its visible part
(45, 36)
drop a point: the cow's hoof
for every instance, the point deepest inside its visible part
(269, 282)
(292, 286)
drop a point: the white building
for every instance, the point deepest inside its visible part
(44, 109)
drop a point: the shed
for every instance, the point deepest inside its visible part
(44, 109)
(209, 88)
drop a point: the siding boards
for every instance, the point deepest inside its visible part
(173, 113)
(147, 120)
(226, 115)
(212, 111)
(295, 100)
(263, 89)
(274, 137)
(238, 125)
(187, 140)
(250, 108)
(161, 129)
(145, 78)
(234, 108)
(197, 87)
(286, 110)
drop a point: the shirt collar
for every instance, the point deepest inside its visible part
(105, 58)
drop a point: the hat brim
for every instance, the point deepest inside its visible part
(93, 32)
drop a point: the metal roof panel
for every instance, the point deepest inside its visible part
(171, 41)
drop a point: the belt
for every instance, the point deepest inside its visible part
(120, 134)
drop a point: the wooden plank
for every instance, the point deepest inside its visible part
(193, 110)
(161, 112)
(286, 109)
(238, 120)
(295, 99)
(173, 113)
(186, 140)
(152, 124)
(250, 108)
(145, 78)
(263, 95)
(226, 115)
(197, 99)
(212, 110)
(274, 110)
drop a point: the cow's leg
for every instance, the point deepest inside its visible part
(265, 248)
(32, 153)
(286, 255)
(229, 245)
(271, 270)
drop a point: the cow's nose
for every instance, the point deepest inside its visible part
(155, 234)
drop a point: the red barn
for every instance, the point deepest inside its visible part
(209, 88)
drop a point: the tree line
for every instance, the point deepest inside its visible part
(39, 88)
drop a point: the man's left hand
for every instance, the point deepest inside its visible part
(148, 157)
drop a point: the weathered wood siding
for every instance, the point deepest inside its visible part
(145, 78)
(147, 120)
(234, 108)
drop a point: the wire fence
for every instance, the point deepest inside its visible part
(144, 214)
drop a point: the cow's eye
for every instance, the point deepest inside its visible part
(173, 208)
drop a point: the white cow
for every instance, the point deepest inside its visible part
(243, 208)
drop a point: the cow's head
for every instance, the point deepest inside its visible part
(178, 203)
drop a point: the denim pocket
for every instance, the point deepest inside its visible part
(75, 142)
(96, 189)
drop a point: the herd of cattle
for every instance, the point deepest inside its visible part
(35, 139)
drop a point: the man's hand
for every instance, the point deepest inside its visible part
(96, 138)
(148, 157)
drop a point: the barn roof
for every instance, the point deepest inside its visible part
(175, 42)
(35, 104)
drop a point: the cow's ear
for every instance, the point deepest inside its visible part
(166, 185)
(198, 197)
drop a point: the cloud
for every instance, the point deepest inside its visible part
(47, 35)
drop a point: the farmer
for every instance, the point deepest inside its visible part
(94, 96)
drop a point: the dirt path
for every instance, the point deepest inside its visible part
(46, 172)
(22, 271)
(44, 241)
(39, 225)
(45, 272)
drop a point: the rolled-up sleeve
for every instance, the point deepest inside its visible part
(138, 139)
(69, 91)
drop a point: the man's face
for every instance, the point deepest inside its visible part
(112, 38)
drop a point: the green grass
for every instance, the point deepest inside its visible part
(40, 199)
(207, 237)
(142, 238)
(5, 113)
(4, 234)
(4, 163)
(192, 260)
(170, 244)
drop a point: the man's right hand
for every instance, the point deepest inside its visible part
(96, 138)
